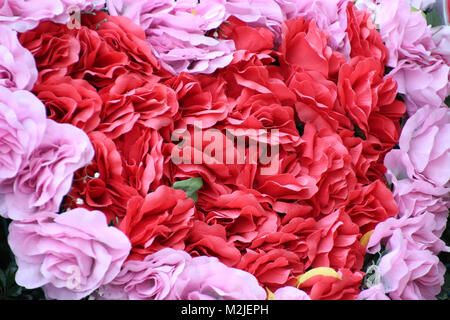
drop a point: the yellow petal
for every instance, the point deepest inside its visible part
(270, 295)
(365, 238)
(320, 271)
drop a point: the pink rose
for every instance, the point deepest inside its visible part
(176, 31)
(422, 84)
(422, 231)
(25, 15)
(291, 293)
(22, 124)
(17, 65)
(396, 21)
(149, 279)
(419, 68)
(70, 255)
(441, 38)
(425, 139)
(46, 177)
(22, 15)
(373, 293)
(408, 272)
(206, 278)
(413, 195)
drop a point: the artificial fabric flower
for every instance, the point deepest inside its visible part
(150, 279)
(206, 278)
(162, 219)
(424, 140)
(409, 272)
(23, 125)
(89, 252)
(46, 177)
(17, 65)
(290, 293)
(176, 32)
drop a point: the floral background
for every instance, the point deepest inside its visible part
(358, 89)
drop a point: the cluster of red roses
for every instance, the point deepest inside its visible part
(337, 118)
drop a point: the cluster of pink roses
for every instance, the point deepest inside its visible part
(419, 173)
(419, 170)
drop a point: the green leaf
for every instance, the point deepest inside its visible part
(11, 278)
(447, 101)
(417, 10)
(445, 290)
(14, 291)
(434, 19)
(11, 273)
(2, 280)
(10, 290)
(190, 187)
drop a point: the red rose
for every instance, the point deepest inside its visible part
(299, 172)
(364, 38)
(142, 158)
(256, 90)
(339, 245)
(202, 99)
(246, 37)
(332, 241)
(370, 205)
(111, 48)
(98, 63)
(263, 112)
(298, 237)
(254, 73)
(305, 46)
(100, 185)
(286, 185)
(69, 100)
(243, 217)
(54, 47)
(98, 52)
(200, 155)
(319, 151)
(319, 172)
(366, 157)
(211, 240)
(369, 101)
(317, 100)
(132, 99)
(272, 268)
(290, 210)
(331, 288)
(334, 186)
(307, 238)
(162, 219)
